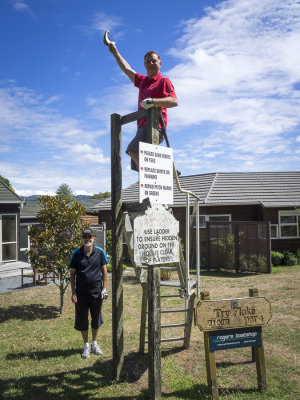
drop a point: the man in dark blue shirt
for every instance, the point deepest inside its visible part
(88, 278)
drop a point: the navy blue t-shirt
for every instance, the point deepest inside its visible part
(88, 270)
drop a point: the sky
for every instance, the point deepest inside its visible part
(234, 64)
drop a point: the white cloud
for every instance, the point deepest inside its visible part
(101, 22)
(22, 6)
(235, 80)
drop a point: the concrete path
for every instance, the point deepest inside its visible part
(10, 269)
(10, 276)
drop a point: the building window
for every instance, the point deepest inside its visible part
(8, 237)
(274, 231)
(288, 224)
(211, 218)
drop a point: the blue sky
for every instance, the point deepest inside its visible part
(234, 64)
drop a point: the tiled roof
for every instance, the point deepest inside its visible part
(130, 194)
(7, 195)
(271, 189)
(30, 208)
(89, 203)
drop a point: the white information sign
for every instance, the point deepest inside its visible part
(156, 173)
(156, 237)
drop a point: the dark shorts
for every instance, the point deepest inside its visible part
(82, 307)
(141, 136)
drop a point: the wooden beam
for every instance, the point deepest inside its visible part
(143, 318)
(126, 119)
(152, 125)
(117, 247)
(154, 332)
(131, 207)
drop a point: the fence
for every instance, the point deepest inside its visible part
(242, 246)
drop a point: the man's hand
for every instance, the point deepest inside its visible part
(147, 103)
(104, 294)
(74, 298)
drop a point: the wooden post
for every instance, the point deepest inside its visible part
(258, 355)
(253, 293)
(154, 332)
(152, 125)
(210, 360)
(261, 371)
(143, 318)
(189, 321)
(117, 247)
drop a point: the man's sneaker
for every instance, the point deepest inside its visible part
(96, 349)
(86, 351)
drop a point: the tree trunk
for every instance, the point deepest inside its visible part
(62, 292)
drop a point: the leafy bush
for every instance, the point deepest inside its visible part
(109, 268)
(165, 274)
(289, 258)
(108, 242)
(277, 258)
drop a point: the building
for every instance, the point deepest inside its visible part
(273, 197)
(10, 205)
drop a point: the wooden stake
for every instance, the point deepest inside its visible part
(143, 318)
(154, 332)
(117, 246)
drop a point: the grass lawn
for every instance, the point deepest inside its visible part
(40, 352)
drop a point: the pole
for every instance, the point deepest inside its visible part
(117, 247)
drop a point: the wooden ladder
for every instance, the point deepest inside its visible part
(186, 289)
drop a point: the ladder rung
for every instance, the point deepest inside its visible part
(170, 295)
(172, 339)
(170, 311)
(171, 325)
(169, 340)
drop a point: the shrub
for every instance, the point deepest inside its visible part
(109, 268)
(277, 258)
(289, 258)
(165, 274)
(108, 242)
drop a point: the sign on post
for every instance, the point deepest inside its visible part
(211, 315)
(234, 338)
(156, 173)
(229, 324)
(156, 237)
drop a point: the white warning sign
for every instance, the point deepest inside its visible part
(156, 173)
(156, 238)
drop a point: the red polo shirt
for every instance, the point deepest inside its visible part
(156, 87)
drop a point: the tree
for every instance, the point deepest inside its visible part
(65, 192)
(55, 239)
(6, 181)
(101, 195)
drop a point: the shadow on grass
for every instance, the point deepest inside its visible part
(90, 382)
(227, 364)
(29, 312)
(78, 384)
(42, 355)
(216, 273)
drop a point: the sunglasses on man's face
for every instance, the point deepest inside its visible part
(87, 237)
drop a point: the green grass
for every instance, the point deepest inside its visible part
(40, 350)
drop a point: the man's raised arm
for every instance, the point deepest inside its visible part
(123, 64)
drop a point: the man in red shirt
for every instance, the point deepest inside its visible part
(154, 91)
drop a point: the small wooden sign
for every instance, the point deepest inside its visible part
(156, 238)
(211, 315)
